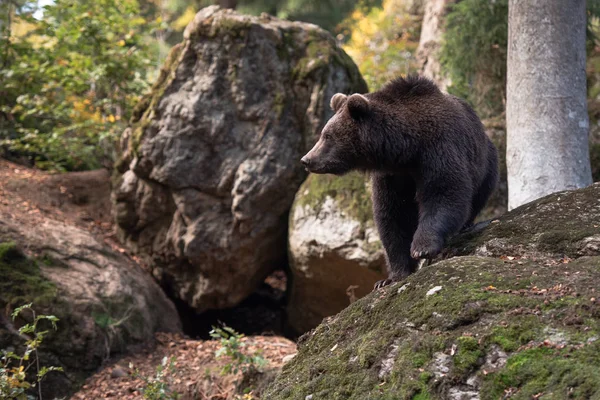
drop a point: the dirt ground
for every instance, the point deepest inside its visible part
(196, 373)
(83, 199)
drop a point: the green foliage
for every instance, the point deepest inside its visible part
(231, 346)
(71, 79)
(158, 387)
(14, 378)
(474, 51)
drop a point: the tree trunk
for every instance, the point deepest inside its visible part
(227, 3)
(546, 106)
(432, 31)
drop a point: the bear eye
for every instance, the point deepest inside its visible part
(327, 136)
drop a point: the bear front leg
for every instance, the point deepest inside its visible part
(396, 215)
(443, 211)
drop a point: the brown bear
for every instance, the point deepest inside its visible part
(432, 166)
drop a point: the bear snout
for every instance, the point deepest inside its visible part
(306, 162)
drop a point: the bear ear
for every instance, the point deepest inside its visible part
(337, 101)
(359, 106)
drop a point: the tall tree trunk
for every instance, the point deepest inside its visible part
(227, 3)
(546, 105)
(432, 32)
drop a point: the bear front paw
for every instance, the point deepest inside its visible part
(425, 246)
(382, 283)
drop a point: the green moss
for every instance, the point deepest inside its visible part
(422, 396)
(50, 261)
(144, 111)
(540, 309)
(279, 103)
(22, 281)
(571, 372)
(349, 191)
(560, 240)
(520, 331)
(318, 54)
(425, 377)
(233, 27)
(468, 355)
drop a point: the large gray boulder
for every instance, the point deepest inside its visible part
(105, 301)
(211, 165)
(334, 250)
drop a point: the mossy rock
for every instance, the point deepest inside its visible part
(22, 281)
(103, 301)
(334, 251)
(519, 321)
(563, 224)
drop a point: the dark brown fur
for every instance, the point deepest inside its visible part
(431, 164)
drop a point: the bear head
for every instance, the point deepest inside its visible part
(339, 147)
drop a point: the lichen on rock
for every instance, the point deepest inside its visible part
(519, 319)
(210, 165)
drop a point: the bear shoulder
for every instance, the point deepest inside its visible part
(407, 87)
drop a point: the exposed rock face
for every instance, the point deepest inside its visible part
(334, 249)
(211, 165)
(515, 314)
(104, 301)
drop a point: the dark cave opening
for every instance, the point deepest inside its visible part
(261, 313)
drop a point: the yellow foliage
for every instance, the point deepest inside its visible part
(188, 15)
(84, 111)
(383, 41)
(20, 28)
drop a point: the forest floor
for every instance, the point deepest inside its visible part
(83, 199)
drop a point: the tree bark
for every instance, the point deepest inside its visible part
(227, 3)
(432, 31)
(546, 110)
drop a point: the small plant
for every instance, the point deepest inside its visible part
(231, 345)
(14, 381)
(158, 387)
